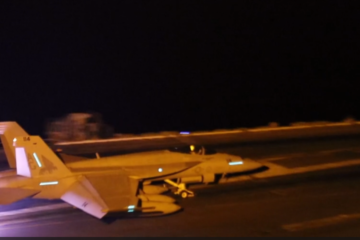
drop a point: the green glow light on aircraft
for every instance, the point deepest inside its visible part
(49, 183)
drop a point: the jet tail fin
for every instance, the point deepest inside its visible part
(8, 131)
(35, 158)
(15, 194)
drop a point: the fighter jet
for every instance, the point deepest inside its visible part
(117, 184)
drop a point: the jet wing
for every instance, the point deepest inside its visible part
(99, 194)
(158, 170)
(11, 195)
(116, 189)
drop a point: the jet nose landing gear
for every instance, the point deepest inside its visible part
(186, 194)
(181, 189)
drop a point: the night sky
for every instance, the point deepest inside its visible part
(151, 66)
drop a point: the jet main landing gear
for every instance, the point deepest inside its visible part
(181, 189)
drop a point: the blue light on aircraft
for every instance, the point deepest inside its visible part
(235, 163)
(184, 132)
(49, 183)
(37, 160)
(160, 169)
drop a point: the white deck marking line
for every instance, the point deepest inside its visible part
(27, 220)
(34, 225)
(320, 222)
(29, 226)
(20, 221)
(35, 209)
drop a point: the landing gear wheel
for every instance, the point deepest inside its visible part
(184, 194)
(180, 189)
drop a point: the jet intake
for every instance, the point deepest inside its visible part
(207, 178)
(195, 179)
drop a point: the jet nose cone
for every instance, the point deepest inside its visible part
(257, 165)
(244, 165)
(253, 165)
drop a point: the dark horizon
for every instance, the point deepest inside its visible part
(171, 66)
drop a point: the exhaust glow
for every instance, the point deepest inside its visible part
(37, 160)
(235, 163)
(48, 183)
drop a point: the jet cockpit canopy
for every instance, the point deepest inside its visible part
(194, 149)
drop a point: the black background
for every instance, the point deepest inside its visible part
(151, 66)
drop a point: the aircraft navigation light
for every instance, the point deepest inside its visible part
(37, 160)
(235, 163)
(160, 169)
